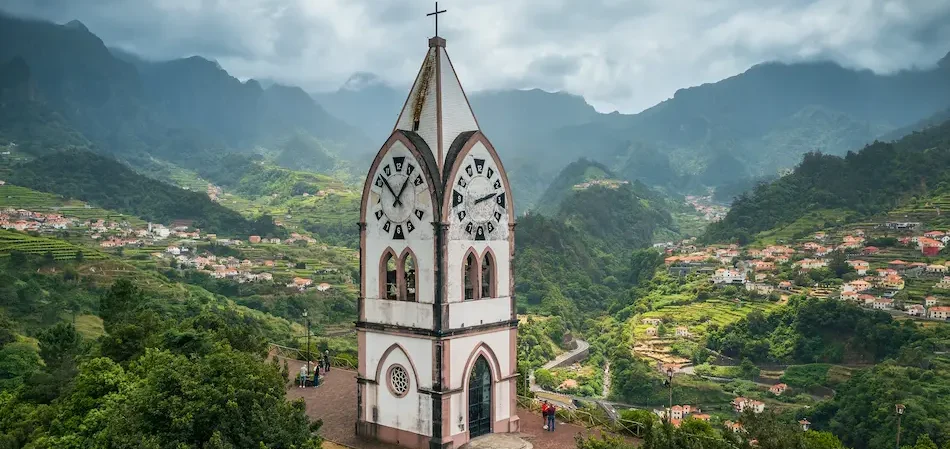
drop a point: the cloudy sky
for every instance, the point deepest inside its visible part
(619, 54)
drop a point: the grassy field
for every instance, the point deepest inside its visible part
(25, 243)
(90, 326)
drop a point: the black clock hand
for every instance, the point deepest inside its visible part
(485, 198)
(390, 190)
(403, 189)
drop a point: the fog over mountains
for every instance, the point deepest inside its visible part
(746, 126)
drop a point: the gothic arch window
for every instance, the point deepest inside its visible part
(488, 275)
(407, 267)
(388, 276)
(470, 276)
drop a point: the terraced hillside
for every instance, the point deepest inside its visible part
(60, 249)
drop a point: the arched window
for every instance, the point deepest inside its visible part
(388, 276)
(488, 276)
(471, 274)
(409, 277)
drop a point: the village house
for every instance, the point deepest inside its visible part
(785, 285)
(820, 235)
(866, 299)
(870, 250)
(915, 310)
(652, 321)
(740, 404)
(778, 389)
(301, 283)
(860, 266)
(939, 312)
(254, 239)
(930, 301)
(760, 288)
(936, 269)
(893, 282)
(173, 250)
(323, 287)
(763, 266)
(651, 331)
(859, 285)
(944, 283)
(725, 276)
(811, 264)
(682, 331)
(896, 264)
(734, 426)
(882, 304)
(934, 234)
(849, 295)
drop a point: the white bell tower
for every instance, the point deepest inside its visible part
(437, 326)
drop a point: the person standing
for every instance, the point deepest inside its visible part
(544, 415)
(326, 360)
(552, 413)
(302, 378)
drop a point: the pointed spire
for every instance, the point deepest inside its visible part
(437, 108)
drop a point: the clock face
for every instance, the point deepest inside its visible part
(400, 197)
(479, 199)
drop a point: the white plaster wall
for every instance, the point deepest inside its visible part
(419, 349)
(412, 412)
(399, 313)
(483, 311)
(457, 116)
(461, 351)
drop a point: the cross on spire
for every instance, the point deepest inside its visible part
(436, 14)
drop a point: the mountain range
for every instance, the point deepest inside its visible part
(744, 127)
(187, 111)
(61, 86)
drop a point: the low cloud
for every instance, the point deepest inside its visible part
(623, 55)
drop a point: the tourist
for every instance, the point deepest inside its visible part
(552, 411)
(544, 414)
(303, 377)
(326, 360)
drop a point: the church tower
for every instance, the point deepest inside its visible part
(437, 326)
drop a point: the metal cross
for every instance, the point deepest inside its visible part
(436, 14)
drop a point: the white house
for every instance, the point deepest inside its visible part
(725, 276)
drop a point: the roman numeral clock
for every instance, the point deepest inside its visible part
(479, 201)
(400, 195)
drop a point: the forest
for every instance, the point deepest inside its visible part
(871, 181)
(164, 372)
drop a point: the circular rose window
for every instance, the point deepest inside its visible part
(398, 380)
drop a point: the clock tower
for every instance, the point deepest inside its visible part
(437, 327)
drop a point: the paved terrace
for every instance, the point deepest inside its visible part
(334, 401)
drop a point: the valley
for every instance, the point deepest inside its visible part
(735, 261)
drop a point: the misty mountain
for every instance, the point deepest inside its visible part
(366, 101)
(186, 110)
(742, 127)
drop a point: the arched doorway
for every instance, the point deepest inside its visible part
(479, 399)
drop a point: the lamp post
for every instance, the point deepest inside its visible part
(307, 317)
(900, 412)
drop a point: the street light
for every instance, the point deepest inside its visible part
(900, 412)
(307, 317)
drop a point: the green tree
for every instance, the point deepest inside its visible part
(59, 347)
